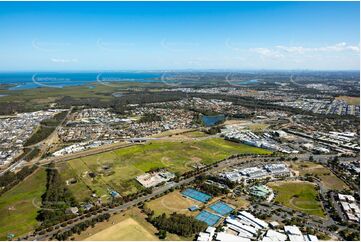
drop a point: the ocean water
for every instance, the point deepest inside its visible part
(27, 80)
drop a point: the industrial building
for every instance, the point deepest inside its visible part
(255, 172)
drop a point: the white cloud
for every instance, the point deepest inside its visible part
(336, 56)
(303, 54)
(57, 60)
(267, 52)
(343, 46)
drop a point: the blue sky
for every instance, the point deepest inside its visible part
(179, 35)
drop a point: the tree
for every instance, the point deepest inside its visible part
(162, 234)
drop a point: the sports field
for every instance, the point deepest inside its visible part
(328, 179)
(298, 195)
(207, 217)
(18, 206)
(117, 169)
(172, 202)
(197, 195)
(130, 225)
(350, 100)
(128, 229)
(221, 208)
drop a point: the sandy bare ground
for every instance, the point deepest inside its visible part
(128, 229)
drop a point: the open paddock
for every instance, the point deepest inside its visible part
(124, 164)
(19, 205)
(350, 100)
(172, 202)
(298, 195)
(328, 179)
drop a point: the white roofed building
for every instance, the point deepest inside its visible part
(221, 236)
(273, 235)
(294, 233)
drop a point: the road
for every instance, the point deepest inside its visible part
(43, 142)
(105, 148)
(221, 165)
(120, 208)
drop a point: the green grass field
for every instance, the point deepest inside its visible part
(21, 199)
(328, 179)
(301, 196)
(127, 163)
(172, 202)
(195, 134)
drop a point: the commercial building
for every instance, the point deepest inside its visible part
(273, 235)
(207, 235)
(350, 207)
(255, 172)
(248, 218)
(260, 191)
(294, 233)
(221, 236)
(154, 178)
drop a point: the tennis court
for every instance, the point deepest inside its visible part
(221, 208)
(196, 195)
(207, 217)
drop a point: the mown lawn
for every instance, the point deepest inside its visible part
(125, 164)
(301, 196)
(23, 201)
(172, 202)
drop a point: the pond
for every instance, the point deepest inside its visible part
(212, 120)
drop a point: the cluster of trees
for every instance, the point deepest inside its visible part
(30, 153)
(45, 129)
(55, 120)
(350, 235)
(227, 182)
(213, 130)
(10, 179)
(78, 228)
(10, 107)
(94, 102)
(179, 224)
(119, 104)
(56, 199)
(126, 198)
(162, 234)
(212, 189)
(42, 133)
(149, 117)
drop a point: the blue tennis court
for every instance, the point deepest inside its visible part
(196, 195)
(207, 217)
(221, 208)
